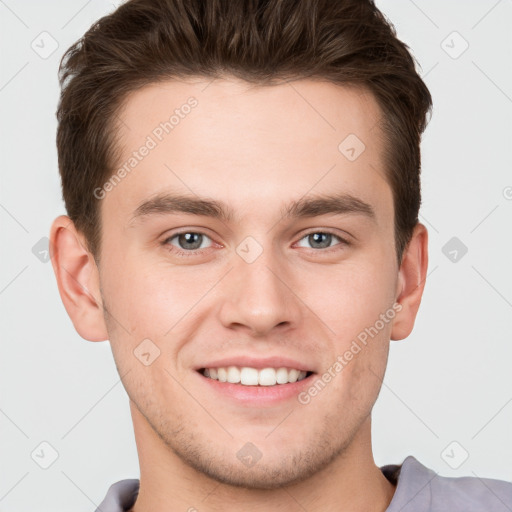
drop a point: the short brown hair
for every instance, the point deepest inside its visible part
(347, 42)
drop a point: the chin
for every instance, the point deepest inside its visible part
(261, 476)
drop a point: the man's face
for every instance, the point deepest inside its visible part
(260, 289)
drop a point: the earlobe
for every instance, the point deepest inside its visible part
(411, 282)
(77, 279)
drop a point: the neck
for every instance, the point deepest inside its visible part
(350, 482)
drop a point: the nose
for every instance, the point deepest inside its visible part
(258, 297)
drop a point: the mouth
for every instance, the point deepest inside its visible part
(255, 377)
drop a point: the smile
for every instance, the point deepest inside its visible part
(247, 376)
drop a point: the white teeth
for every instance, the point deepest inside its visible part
(249, 376)
(282, 376)
(267, 377)
(233, 374)
(252, 376)
(293, 375)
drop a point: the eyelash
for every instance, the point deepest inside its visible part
(195, 252)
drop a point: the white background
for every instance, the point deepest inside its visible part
(449, 381)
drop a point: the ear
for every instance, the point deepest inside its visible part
(77, 279)
(411, 282)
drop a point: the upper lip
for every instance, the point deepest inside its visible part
(257, 362)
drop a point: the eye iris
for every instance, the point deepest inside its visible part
(314, 238)
(193, 241)
(187, 238)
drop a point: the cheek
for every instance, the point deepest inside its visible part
(356, 387)
(149, 299)
(357, 304)
(348, 297)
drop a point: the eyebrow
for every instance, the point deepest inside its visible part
(308, 206)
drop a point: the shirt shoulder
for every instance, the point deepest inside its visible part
(120, 496)
(418, 489)
(421, 489)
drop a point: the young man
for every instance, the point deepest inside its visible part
(242, 185)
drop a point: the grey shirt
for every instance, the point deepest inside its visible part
(419, 489)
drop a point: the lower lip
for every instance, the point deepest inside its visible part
(258, 395)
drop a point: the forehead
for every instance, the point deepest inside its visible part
(239, 143)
